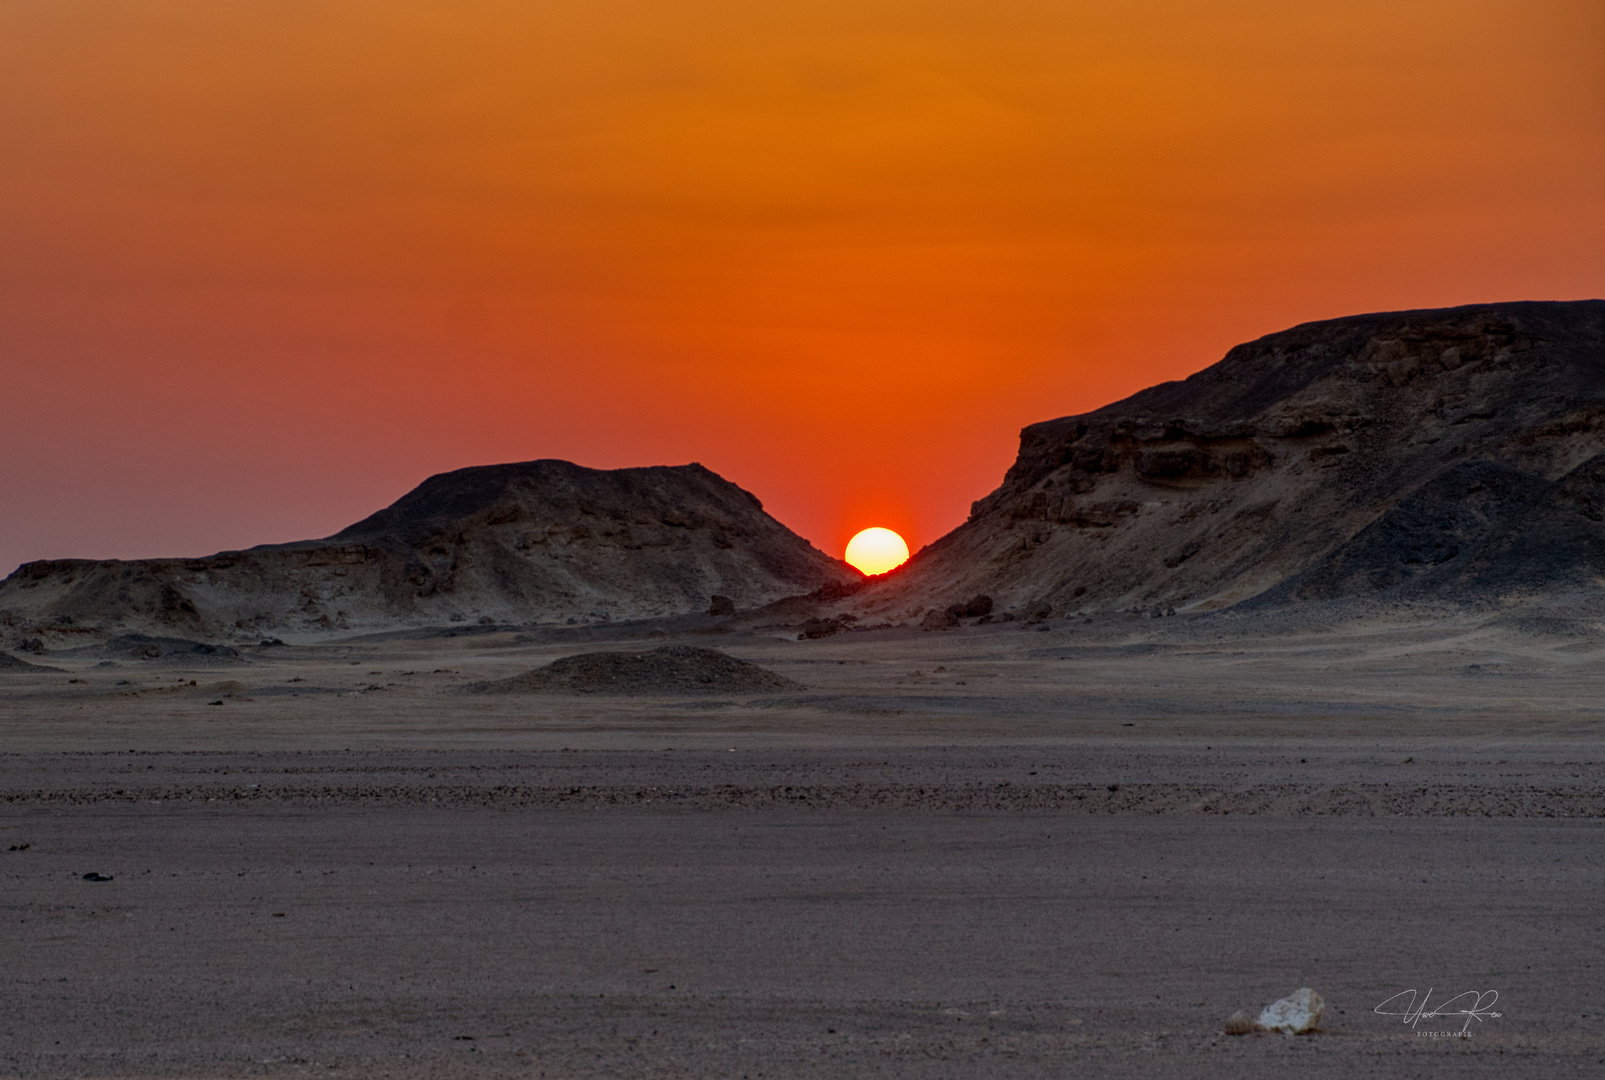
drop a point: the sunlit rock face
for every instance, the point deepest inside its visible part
(1454, 455)
(539, 541)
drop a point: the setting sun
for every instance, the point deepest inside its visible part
(875, 551)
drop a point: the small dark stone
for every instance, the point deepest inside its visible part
(818, 628)
(96, 876)
(977, 607)
(719, 606)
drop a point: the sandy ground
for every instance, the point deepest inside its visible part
(988, 852)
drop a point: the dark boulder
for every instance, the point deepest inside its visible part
(977, 607)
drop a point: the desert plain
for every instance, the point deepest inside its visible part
(1283, 677)
(1064, 848)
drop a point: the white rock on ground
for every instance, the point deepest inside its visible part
(1295, 1014)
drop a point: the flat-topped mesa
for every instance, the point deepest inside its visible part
(1446, 454)
(539, 541)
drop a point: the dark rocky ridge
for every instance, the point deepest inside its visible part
(537, 541)
(1453, 455)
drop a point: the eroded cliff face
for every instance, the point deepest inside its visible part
(1455, 455)
(541, 541)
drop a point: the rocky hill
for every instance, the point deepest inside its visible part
(540, 541)
(1453, 455)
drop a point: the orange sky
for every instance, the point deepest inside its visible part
(264, 266)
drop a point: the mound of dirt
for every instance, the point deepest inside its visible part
(11, 663)
(673, 670)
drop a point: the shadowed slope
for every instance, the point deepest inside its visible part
(9, 663)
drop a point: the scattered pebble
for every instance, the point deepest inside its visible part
(1240, 1023)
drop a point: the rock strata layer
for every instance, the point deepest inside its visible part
(1452, 455)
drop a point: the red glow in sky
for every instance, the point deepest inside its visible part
(263, 267)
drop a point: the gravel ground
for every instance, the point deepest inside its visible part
(957, 855)
(402, 940)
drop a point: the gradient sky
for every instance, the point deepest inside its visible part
(265, 265)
